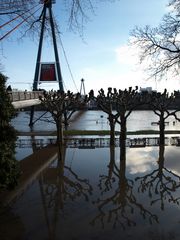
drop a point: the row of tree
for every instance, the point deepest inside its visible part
(117, 104)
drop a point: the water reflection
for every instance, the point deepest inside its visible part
(92, 194)
(161, 184)
(58, 185)
(11, 225)
(118, 206)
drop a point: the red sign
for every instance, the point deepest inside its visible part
(48, 72)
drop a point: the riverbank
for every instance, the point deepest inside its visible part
(93, 132)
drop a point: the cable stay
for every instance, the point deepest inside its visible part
(18, 25)
(8, 22)
(10, 8)
(66, 59)
(67, 62)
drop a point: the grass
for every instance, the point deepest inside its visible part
(106, 132)
(94, 132)
(86, 132)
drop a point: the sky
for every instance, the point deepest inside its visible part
(102, 56)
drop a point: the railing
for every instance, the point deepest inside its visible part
(26, 95)
(97, 142)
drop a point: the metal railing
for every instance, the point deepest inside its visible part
(97, 142)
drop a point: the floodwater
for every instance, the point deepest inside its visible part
(93, 120)
(92, 195)
(89, 194)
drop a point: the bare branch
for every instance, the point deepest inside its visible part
(159, 46)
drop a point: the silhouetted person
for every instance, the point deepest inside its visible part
(9, 89)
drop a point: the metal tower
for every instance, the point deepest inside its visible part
(82, 88)
(46, 8)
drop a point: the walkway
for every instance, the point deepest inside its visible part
(25, 99)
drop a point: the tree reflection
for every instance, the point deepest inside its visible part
(119, 205)
(161, 184)
(58, 185)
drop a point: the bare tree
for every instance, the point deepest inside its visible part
(21, 15)
(162, 105)
(160, 44)
(124, 103)
(105, 103)
(118, 104)
(175, 4)
(14, 7)
(61, 105)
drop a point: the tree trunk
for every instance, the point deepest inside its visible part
(123, 137)
(60, 137)
(112, 131)
(65, 120)
(162, 130)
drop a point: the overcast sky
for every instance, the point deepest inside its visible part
(102, 57)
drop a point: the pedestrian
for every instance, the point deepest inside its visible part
(9, 89)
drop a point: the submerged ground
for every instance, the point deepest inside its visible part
(88, 193)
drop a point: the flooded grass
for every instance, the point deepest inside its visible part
(94, 132)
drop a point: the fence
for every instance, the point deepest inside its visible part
(97, 142)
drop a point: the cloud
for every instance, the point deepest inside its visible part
(127, 55)
(121, 71)
(97, 78)
(141, 160)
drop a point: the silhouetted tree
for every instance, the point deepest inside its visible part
(118, 104)
(161, 103)
(105, 103)
(160, 44)
(9, 167)
(124, 103)
(61, 105)
(161, 183)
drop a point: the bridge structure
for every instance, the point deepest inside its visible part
(23, 99)
(45, 72)
(52, 72)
